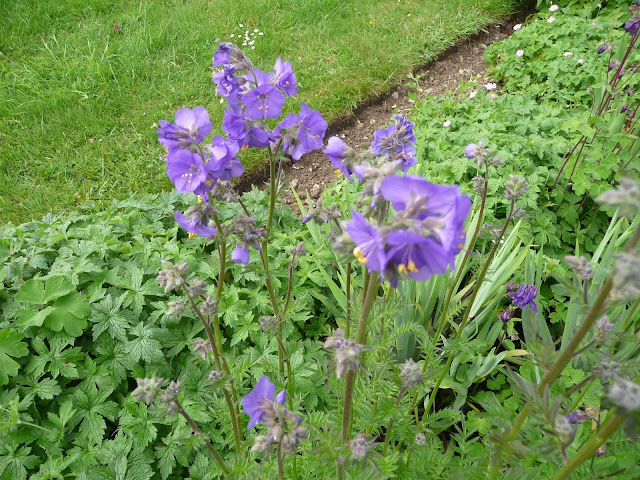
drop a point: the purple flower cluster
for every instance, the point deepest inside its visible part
(423, 238)
(524, 296)
(254, 96)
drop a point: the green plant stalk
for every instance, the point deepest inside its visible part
(467, 312)
(235, 421)
(361, 338)
(197, 432)
(590, 449)
(387, 437)
(566, 356)
(347, 329)
(280, 462)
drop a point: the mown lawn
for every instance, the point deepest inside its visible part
(84, 81)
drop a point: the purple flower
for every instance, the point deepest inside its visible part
(525, 296)
(369, 247)
(251, 403)
(603, 46)
(185, 170)
(191, 127)
(417, 256)
(194, 226)
(224, 165)
(397, 140)
(226, 81)
(341, 156)
(506, 315)
(470, 150)
(633, 25)
(229, 54)
(301, 133)
(577, 417)
(284, 77)
(263, 102)
(240, 255)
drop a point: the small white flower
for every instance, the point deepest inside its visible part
(551, 19)
(232, 35)
(493, 95)
(593, 24)
(567, 54)
(473, 94)
(447, 123)
(519, 53)
(491, 86)
(241, 25)
(255, 30)
(260, 33)
(517, 27)
(581, 61)
(253, 48)
(553, 8)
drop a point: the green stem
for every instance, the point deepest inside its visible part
(280, 462)
(590, 449)
(567, 354)
(347, 330)
(387, 437)
(197, 432)
(361, 338)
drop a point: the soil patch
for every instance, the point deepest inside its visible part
(465, 60)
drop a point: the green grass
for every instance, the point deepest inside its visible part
(79, 100)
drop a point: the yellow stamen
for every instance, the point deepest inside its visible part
(402, 268)
(338, 172)
(199, 199)
(208, 183)
(244, 148)
(191, 235)
(357, 252)
(412, 266)
(461, 245)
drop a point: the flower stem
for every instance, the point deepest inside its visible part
(280, 462)
(197, 432)
(387, 436)
(361, 338)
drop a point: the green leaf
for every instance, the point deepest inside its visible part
(31, 291)
(70, 312)
(145, 345)
(57, 287)
(10, 346)
(29, 318)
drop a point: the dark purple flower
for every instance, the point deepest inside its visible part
(224, 165)
(506, 315)
(258, 137)
(240, 255)
(185, 170)
(633, 25)
(191, 126)
(256, 78)
(284, 77)
(369, 248)
(577, 417)
(195, 227)
(251, 403)
(525, 296)
(263, 102)
(341, 156)
(603, 46)
(234, 125)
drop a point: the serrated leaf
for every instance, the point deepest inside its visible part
(10, 346)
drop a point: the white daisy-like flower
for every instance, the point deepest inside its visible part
(517, 27)
(581, 61)
(519, 53)
(491, 86)
(447, 123)
(473, 94)
(567, 54)
(553, 8)
(551, 19)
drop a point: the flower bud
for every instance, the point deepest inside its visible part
(580, 266)
(411, 374)
(625, 394)
(359, 447)
(148, 388)
(176, 308)
(420, 439)
(515, 188)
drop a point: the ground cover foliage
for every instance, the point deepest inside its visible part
(520, 363)
(83, 81)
